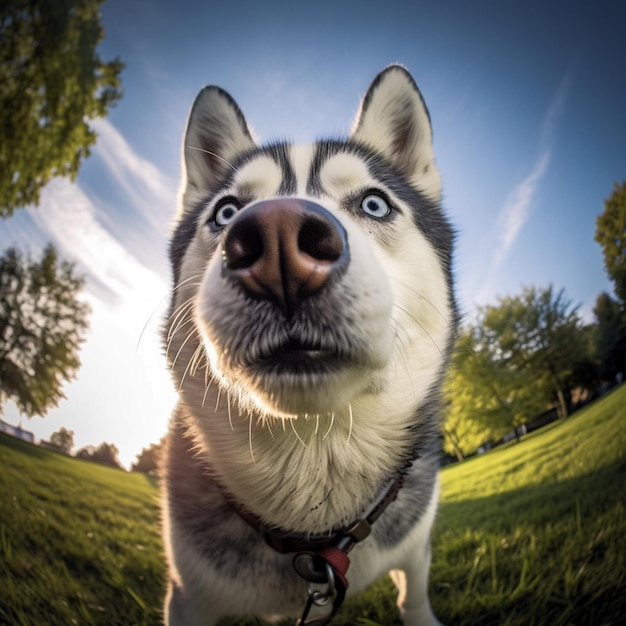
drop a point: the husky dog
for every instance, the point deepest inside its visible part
(311, 323)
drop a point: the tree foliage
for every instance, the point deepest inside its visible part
(105, 454)
(472, 391)
(63, 439)
(52, 82)
(486, 397)
(611, 235)
(42, 325)
(515, 361)
(537, 335)
(148, 459)
(609, 337)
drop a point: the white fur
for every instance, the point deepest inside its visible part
(301, 157)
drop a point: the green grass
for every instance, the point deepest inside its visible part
(535, 533)
(528, 534)
(79, 542)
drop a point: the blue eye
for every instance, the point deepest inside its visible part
(225, 212)
(375, 205)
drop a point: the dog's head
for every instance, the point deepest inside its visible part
(312, 280)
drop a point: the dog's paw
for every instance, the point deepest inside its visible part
(421, 616)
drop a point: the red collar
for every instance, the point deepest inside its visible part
(323, 558)
(286, 542)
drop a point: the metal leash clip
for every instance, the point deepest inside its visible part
(318, 597)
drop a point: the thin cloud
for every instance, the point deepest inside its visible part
(140, 209)
(518, 205)
(149, 190)
(122, 264)
(516, 210)
(68, 217)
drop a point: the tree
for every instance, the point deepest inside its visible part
(609, 337)
(42, 325)
(63, 439)
(485, 397)
(105, 454)
(148, 459)
(611, 235)
(539, 334)
(469, 402)
(519, 357)
(52, 82)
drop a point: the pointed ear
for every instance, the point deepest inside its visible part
(393, 120)
(216, 133)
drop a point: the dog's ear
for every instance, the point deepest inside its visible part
(394, 120)
(216, 133)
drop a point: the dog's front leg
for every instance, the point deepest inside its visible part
(183, 610)
(412, 584)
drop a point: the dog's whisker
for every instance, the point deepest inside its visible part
(295, 432)
(185, 282)
(330, 426)
(157, 307)
(207, 386)
(171, 337)
(250, 440)
(213, 154)
(193, 281)
(181, 318)
(185, 372)
(182, 346)
(182, 315)
(199, 359)
(230, 418)
(414, 319)
(179, 312)
(191, 367)
(402, 348)
(351, 422)
(208, 375)
(150, 317)
(447, 320)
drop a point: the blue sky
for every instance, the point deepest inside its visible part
(527, 104)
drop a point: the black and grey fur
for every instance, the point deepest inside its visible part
(311, 323)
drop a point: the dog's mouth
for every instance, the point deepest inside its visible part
(296, 356)
(295, 376)
(295, 350)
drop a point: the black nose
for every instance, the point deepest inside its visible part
(285, 250)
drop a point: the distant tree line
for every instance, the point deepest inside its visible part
(149, 458)
(529, 353)
(105, 454)
(63, 440)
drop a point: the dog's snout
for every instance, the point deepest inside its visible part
(285, 249)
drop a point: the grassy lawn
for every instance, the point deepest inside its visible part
(79, 542)
(528, 534)
(535, 533)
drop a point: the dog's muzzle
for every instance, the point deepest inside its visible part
(285, 250)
